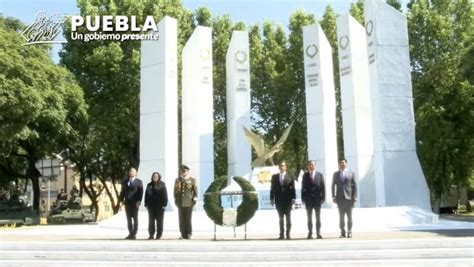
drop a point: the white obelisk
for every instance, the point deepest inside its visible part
(198, 108)
(320, 103)
(355, 100)
(159, 106)
(399, 177)
(239, 153)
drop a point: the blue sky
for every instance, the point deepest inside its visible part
(247, 11)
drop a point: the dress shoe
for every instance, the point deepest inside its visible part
(281, 237)
(150, 237)
(319, 236)
(133, 237)
(158, 237)
(349, 235)
(343, 235)
(128, 237)
(310, 236)
(288, 237)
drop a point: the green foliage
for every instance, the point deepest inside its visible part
(249, 205)
(328, 24)
(222, 31)
(277, 81)
(466, 63)
(245, 211)
(109, 73)
(357, 11)
(212, 200)
(40, 106)
(42, 110)
(397, 4)
(441, 33)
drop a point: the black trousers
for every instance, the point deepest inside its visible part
(345, 208)
(185, 218)
(309, 213)
(284, 212)
(131, 211)
(155, 220)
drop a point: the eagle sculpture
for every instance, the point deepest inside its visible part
(263, 153)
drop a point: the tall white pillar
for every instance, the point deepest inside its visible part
(239, 153)
(356, 111)
(320, 102)
(399, 177)
(198, 108)
(159, 106)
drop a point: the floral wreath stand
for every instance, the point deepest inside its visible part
(231, 217)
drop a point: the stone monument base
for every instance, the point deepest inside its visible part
(265, 222)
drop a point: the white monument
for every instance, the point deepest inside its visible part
(320, 103)
(198, 108)
(239, 153)
(356, 111)
(399, 177)
(159, 106)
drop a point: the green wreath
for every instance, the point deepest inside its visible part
(245, 211)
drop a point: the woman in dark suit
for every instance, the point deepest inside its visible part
(156, 199)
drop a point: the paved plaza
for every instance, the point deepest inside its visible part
(444, 243)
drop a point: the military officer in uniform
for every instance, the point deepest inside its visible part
(185, 197)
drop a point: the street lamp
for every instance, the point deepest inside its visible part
(49, 169)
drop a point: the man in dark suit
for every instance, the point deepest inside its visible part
(185, 197)
(131, 195)
(344, 193)
(313, 194)
(282, 194)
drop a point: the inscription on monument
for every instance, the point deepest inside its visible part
(369, 28)
(205, 75)
(345, 70)
(313, 79)
(242, 85)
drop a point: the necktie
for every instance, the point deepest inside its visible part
(343, 176)
(281, 179)
(312, 176)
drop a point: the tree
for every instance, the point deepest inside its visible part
(40, 106)
(440, 33)
(108, 72)
(357, 11)
(297, 145)
(328, 24)
(395, 4)
(270, 102)
(277, 79)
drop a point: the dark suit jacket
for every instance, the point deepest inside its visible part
(313, 193)
(131, 194)
(344, 190)
(282, 194)
(156, 197)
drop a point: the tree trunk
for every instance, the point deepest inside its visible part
(96, 207)
(113, 204)
(116, 206)
(34, 174)
(89, 192)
